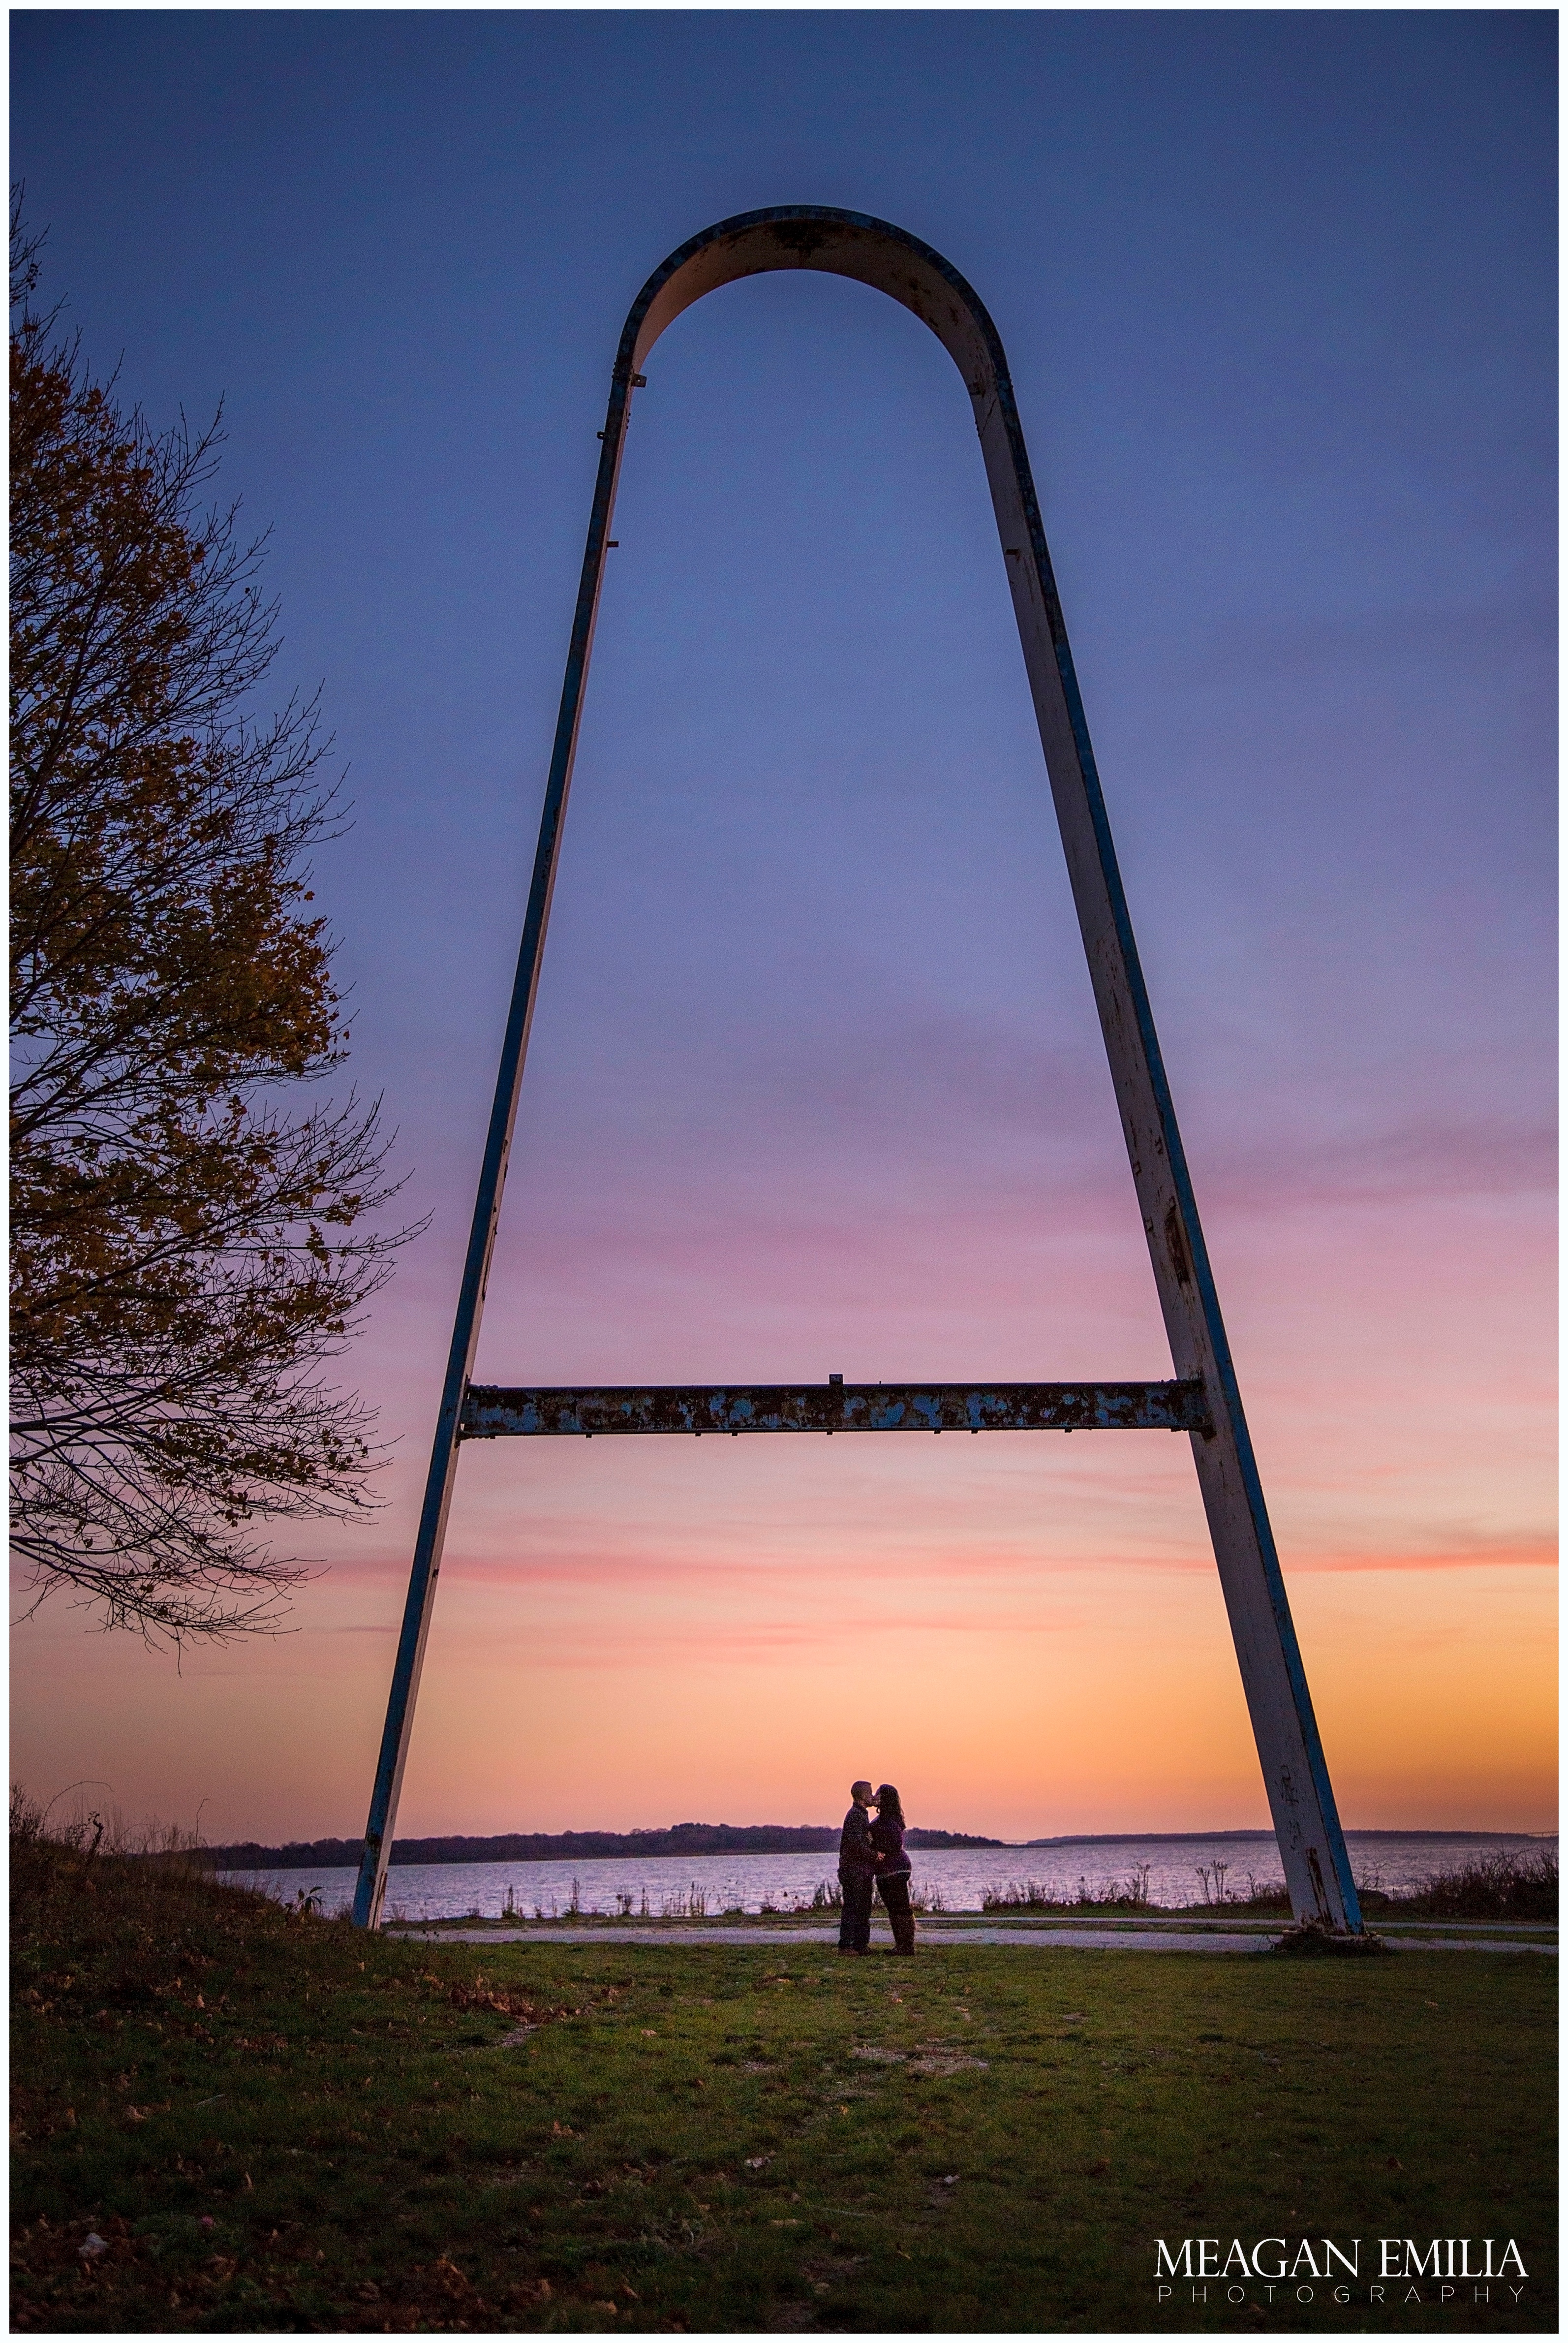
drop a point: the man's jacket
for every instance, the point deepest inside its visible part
(857, 1855)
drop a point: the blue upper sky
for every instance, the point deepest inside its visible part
(1278, 294)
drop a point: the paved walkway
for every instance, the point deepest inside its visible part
(1159, 1936)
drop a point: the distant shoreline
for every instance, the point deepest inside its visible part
(683, 1839)
(696, 1840)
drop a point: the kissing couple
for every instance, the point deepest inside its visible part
(871, 1861)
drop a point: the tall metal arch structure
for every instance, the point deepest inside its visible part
(1204, 1400)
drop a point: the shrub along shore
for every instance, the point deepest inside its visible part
(1505, 1884)
(1517, 1885)
(229, 2117)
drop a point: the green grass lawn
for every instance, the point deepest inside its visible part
(276, 2123)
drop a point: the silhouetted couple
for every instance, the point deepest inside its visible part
(872, 1861)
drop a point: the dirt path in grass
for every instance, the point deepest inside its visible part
(1128, 1938)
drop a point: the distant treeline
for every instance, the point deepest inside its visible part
(570, 1847)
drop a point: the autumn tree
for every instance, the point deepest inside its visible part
(192, 1243)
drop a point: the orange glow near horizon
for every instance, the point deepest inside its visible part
(1080, 1695)
(1025, 1631)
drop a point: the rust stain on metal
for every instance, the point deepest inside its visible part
(1176, 1245)
(802, 237)
(1322, 1893)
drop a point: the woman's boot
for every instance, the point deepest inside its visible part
(903, 1931)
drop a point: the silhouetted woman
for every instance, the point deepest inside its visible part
(893, 1866)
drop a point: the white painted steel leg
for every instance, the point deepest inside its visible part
(1296, 1773)
(371, 1886)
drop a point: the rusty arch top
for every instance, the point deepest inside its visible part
(875, 252)
(852, 243)
(839, 244)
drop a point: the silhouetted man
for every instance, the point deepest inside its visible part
(857, 1872)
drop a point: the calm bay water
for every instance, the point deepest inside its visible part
(667, 1886)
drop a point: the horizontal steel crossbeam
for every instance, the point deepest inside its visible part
(491, 1412)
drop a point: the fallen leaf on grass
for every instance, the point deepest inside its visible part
(504, 2002)
(535, 2291)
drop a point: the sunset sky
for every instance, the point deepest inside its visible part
(815, 1082)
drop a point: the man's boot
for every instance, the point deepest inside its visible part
(903, 1931)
